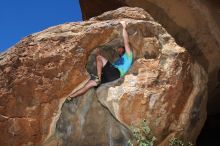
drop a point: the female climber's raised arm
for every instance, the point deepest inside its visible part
(126, 39)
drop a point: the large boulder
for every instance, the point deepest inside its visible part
(194, 24)
(165, 85)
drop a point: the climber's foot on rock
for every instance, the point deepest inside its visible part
(96, 79)
(69, 98)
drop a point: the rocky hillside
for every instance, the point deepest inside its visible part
(166, 85)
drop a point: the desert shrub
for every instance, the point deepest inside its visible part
(142, 135)
(178, 142)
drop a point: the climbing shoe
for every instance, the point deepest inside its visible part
(95, 78)
(69, 99)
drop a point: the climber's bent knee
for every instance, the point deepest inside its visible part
(101, 58)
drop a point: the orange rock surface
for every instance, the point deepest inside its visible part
(165, 85)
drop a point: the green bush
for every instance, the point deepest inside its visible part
(177, 142)
(142, 135)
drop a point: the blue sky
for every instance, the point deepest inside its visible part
(19, 18)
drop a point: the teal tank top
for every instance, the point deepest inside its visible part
(124, 63)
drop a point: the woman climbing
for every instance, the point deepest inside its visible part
(107, 71)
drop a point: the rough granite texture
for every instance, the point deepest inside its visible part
(165, 85)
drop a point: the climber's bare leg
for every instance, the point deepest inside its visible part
(100, 63)
(85, 88)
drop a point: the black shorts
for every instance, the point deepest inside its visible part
(109, 73)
